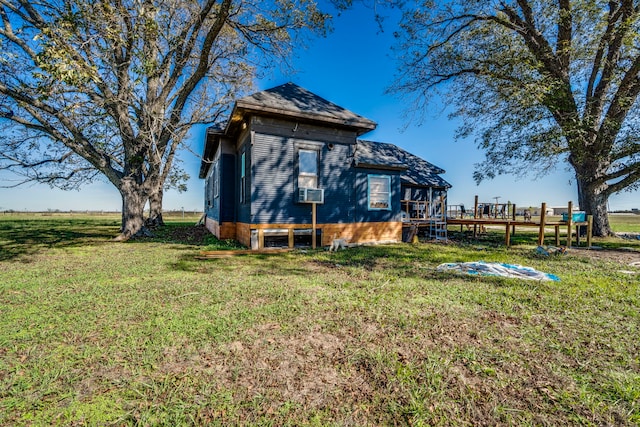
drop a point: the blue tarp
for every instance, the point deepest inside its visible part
(481, 268)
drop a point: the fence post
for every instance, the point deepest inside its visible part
(543, 218)
(569, 223)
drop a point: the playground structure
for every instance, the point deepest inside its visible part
(497, 214)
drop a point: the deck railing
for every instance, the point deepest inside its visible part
(423, 210)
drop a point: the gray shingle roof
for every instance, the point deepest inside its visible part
(415, 171)
(292, 100)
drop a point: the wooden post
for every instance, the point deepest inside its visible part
(589, 228)
(313, 225)
(475, 207)
(260, 238)
(291, 239)
(507, 235)
(513, 216)
(543, 217)
(475, 216)
(569, 221)
(557, 227)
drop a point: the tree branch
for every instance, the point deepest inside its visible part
(611, 42)
(632, 173)
(563, 44)
(203, 62)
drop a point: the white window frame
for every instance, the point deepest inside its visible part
(216, 180)
(315, 175)
(243, 173)
(378, 193)
(207, 190)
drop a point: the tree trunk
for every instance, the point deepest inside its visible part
(593, 200)
(133, 201)
(155, 209)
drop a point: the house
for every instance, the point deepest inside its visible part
(289, 165)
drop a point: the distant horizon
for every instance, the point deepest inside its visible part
(201, 211)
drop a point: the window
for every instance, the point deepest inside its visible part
(243, 163)
(379, 192)
(216, 180)
(307, 169)
(207, 190)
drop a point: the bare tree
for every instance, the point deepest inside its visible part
(109, 89)
(539, 83)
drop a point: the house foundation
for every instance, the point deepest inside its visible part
(261, 236)
(223, 231)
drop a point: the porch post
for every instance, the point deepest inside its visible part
(313, 225)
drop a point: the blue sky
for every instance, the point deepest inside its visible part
(352, 67)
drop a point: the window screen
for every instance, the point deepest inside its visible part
(307, 169)
(379, 192)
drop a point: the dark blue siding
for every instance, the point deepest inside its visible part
(244, 208)
(363, 214)
(272, 198)
(337, 178)
(227, 188)
(212, 207)
(274, 195)
(346, 188)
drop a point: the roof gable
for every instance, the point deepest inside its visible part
(291, 100)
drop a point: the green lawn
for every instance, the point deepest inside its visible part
(94, 332)
(625, 223)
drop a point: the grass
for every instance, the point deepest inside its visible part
(94, 332)
(626, 222)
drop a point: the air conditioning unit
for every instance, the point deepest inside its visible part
(311, 195)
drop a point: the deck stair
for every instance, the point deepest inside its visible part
(438, 229)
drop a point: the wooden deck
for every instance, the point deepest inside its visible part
(507, 219)
(511, 224)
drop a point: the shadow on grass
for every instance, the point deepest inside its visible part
(21, 237)
(24, 237)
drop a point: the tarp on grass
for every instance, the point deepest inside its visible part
(481, 268)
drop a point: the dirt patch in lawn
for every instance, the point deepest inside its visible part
(194, 235)
(622, 256)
